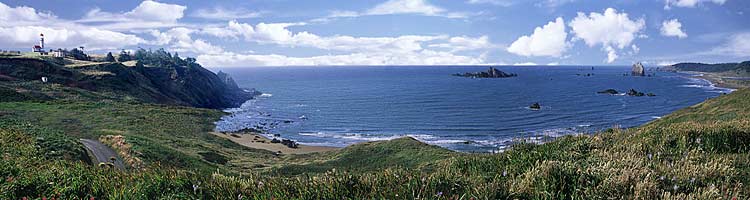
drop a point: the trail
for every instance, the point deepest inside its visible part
(102, 152)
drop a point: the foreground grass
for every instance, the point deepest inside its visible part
(700, 152)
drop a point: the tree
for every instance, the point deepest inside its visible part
(109, 57)
(124, 56)
(78, 54)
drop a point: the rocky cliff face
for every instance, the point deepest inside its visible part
(190, 85)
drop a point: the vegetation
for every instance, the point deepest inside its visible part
(721, 67)
(700, 152)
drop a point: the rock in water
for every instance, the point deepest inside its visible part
(491, 73)
(608, 91)
(633, 92)
(535, 106)
(638, 70)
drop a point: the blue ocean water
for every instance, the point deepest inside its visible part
(339, 106)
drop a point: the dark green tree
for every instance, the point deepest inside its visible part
(124, 56)
(109, 57)
(78, 54)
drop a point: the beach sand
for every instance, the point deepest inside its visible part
(257, 141)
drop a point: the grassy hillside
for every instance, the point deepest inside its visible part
(699, 152)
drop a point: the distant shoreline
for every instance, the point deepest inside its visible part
(714, 78)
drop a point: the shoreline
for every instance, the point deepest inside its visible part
(258, 141)
(716, 79)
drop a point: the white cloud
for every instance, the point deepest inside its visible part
(464, 43)
(609, 29)
(424, 57)
(147, 15)
(180, 40)
(277, 33)
(525, 64)
(738, 45)
(220, 13)
(672, 28)
(504, 3)
(398, 7)
(147, 11)
(690, 3)
(22, 15)
(549, 40)
(91, 38)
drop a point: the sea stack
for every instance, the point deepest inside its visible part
(491, 73)
(638, 70)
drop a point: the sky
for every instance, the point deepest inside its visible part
(250, 33)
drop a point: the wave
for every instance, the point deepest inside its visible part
(266, 95)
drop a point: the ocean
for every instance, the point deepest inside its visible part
(340, 106)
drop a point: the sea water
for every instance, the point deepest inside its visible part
(339, 106)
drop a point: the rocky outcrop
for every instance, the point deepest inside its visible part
(638, 70)
(535, 106)
(633, 92)
(491, 73)
(608, 91)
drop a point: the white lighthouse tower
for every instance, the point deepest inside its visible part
(39, 48)
(41, 40)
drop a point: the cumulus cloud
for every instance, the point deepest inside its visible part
(148, 14)
(146, 11)
(548, 40)
(424, 57)
(180, 40)
(464, 43)
(611, 30)
(91, 38)
(689, 3)
(22, 15)
(672, 28)
(20, 28)
(219, 13)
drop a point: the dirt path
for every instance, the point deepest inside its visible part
(102, 153)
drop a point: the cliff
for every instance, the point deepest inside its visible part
(189, 85)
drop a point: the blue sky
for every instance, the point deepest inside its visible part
(251, 33)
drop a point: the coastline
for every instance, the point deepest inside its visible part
(258, 141)
(717, 80)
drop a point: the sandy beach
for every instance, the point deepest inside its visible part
(257, 141)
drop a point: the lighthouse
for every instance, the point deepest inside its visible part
(39, 48)
(41, 40)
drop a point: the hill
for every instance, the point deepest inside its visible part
(164, 83)
(730, 75)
